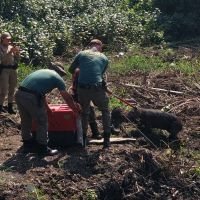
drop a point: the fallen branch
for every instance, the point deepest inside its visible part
(156, 89)
(197, 85)
(113, 140)
(4, 119)
(189, 104)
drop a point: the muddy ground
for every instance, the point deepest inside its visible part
(134, 170)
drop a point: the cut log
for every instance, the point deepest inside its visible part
(156, 89)
(197, 85)
(115, 140)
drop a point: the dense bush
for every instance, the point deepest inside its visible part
(51, 27)
(38, 26)
(179, 18)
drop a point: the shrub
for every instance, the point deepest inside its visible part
(50, 27)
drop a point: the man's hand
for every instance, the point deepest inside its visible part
(49, 111)
(78, 107)
(73, 105)
(15, 50)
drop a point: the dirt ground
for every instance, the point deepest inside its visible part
(132, 170)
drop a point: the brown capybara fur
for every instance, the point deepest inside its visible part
(149, 118)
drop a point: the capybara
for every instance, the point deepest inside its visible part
(149, 118)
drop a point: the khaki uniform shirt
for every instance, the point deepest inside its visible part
(7, 58)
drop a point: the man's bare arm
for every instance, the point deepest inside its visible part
(69, 100)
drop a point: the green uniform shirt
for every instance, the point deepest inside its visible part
(43, 81)
(92, 65)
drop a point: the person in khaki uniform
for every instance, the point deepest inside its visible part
(9, 57)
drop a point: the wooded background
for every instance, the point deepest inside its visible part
(50, 28)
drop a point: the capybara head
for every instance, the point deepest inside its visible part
(134, 114)
(117, 117)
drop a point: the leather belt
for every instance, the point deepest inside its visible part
(39, 96)
(8, 66)
(30, 91)
(90, 86)
(23, 89)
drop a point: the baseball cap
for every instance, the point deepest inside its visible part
(6, 35)
(58, 67)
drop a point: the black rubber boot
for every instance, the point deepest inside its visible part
(106, 142)
(2, 110)
(10, 109)
(29, 146)
(85, 140)
(95, 132)
(45, 150)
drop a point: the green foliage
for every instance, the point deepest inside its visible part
(50, 27)
(39, 27)
(114, 103)
(47, 28)
(144, 63)
(24, 70)
(179, 19)
(35, 193)
(187, 67)
(138, 62)
(91, 194)
(195, 171)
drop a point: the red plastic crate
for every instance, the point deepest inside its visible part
(62, 118)
(62, 129)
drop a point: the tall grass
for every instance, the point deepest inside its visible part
(140, 61)
(137, 62)
(24, 70)
(147, 63)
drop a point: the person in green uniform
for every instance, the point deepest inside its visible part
(31, 102)
(92, 64)
(9, 57)
(92, 115)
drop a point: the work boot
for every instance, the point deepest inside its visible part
(10, 109)
(95, 132)
(106, 142)
(2, 109)
(43, 149)
(29, 146)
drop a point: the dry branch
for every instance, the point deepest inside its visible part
(189, 105)
(197, 85)
(5, 119)
(119, 140)
(152, 88)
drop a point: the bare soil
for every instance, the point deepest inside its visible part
(134, 170)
